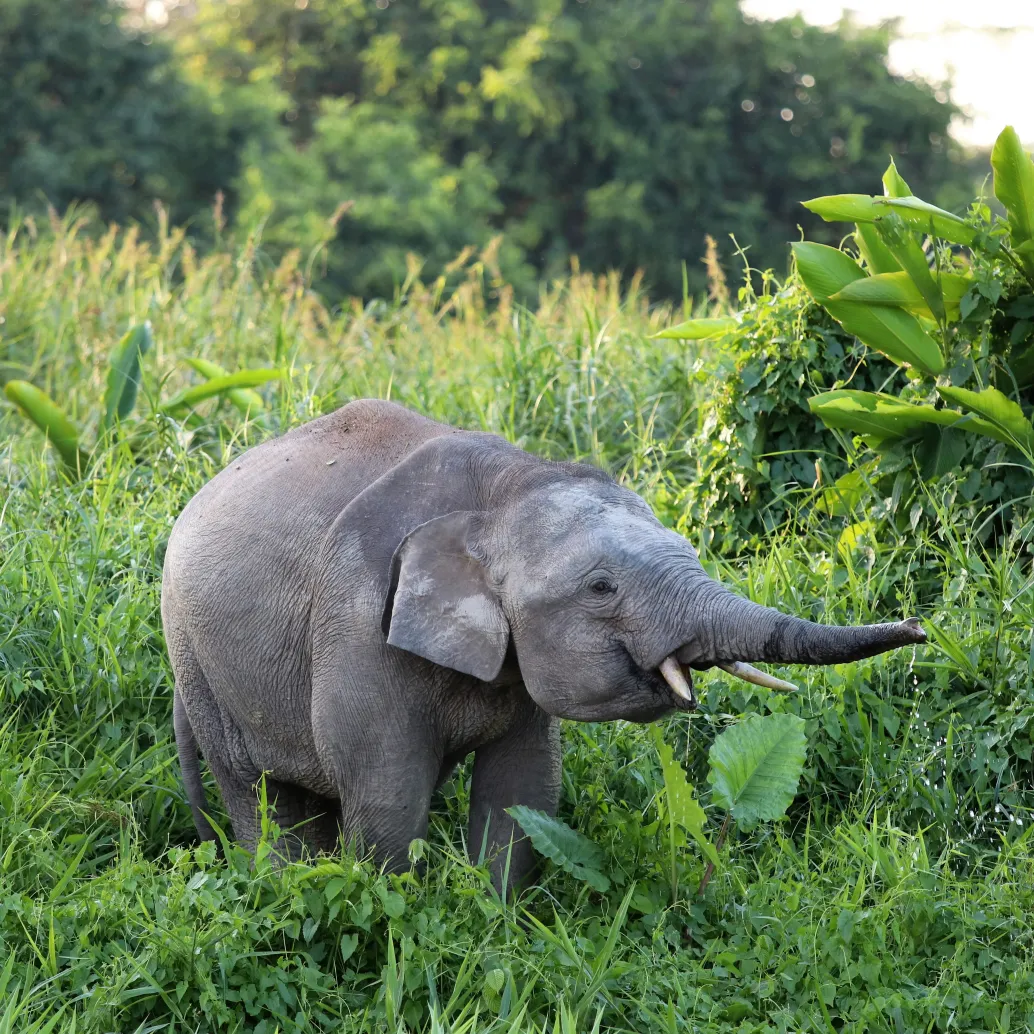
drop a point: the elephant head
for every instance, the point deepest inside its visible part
(607, 610)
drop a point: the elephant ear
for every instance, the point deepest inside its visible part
(439, 605)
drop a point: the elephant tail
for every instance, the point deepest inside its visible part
(186, 747)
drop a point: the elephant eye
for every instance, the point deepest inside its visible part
(601, 587)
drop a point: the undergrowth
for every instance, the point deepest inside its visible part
(895, 897)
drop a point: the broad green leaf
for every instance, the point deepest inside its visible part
(916, 213)
(941, 450)
(898, 290)
(699, 329)
(218, 386)
(824, 270)
(683, 806)
(921, 215)
(124, 374)
(45, 414)
(906, 249)
(844, 208)
(1014, 183)
(882, 416)
(846, 492)
(894, 184)
(246, 400)
(555, 839)
(994, 409)
(852, 536)
(894, 332)
(756, 767)
(898, 335)
(878, 257)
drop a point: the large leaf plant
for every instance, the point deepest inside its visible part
(950, 299)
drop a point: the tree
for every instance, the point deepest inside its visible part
(623, 131)
(90, 112)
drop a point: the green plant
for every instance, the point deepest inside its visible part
(123, 383)
(755, 771)
(682, 808)
(919, 344)
(937, 320)
(92, 111)
(566, 847)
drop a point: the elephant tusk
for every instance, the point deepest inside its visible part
(749, 673)
(672, 672)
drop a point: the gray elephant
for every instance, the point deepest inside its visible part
(355, 607)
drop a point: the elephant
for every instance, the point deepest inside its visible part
(353, 608)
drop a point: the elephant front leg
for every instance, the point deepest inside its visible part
(523, 767)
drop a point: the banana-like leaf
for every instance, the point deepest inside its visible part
(941, 449)
(893, 332)
(904, 246)
(844, 208)
(899, 290)
(218, 386)
(124, 374)
(916, 213)
(246, 400)
(878, 257)
(1014, 187)
(921, 215)
(853, 536)
(884, 417)
(825, 270)
(41, 409)
(683, 806)
(996, 415)
(568, 848)
(756, 767)
(894, 184)
(699, 329)
(898, 335)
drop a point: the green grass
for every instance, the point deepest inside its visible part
(896, 897)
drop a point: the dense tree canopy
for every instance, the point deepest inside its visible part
(89, 112)
(621, 131)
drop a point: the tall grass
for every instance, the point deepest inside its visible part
(896, 898)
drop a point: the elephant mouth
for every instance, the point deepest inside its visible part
(681, 684)
(654, 680)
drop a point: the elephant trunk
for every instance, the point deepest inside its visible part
(741, 630)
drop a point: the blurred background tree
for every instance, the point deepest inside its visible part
(621, 131)
(91, 112)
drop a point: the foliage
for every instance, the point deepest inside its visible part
(620, 132)
(683, 809)
(564, 846)
(368, 181)
(877, 306)
(945, 299)
(91, 112)
(896, 896)
(756, 451)
(756, 767)
(123, 383)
